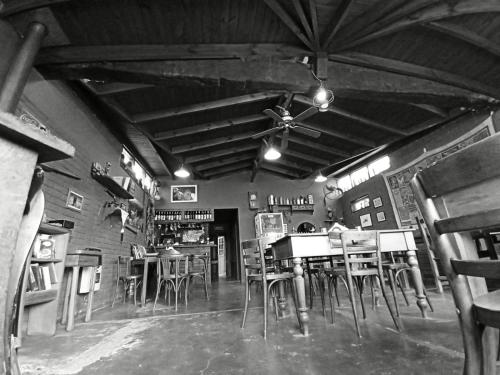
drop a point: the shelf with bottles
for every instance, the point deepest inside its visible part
(192, 215)
(181, 232)
(297, 201)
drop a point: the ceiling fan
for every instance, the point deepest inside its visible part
(285, 122)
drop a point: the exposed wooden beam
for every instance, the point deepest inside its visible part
(354, 117)
(212, 142)
(314, 21)
(206, 106)
(465, 35)
(317, 146)
(293, 165)
(216, 154)
(288, 21)
(8, 8)
(195, 129)
(114, 87)
(226, 173)
(431, 108)
(418, 71)
(324, 129)
(150, 52)
(305, 23)
(430, 13)
(350, 76)
(222, 162)
(336, 22)
(283, 171)
(229, 168)
(311, 158)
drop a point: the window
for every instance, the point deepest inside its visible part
(136, 171)
(360, 203)
(364, 173)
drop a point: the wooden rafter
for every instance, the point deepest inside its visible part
(305, 23)
(212, 142)
(293, 165)
(430, 13)
(222, 162)
(115, 87)
(8, 8)
(317, 146)
(314, 21)
(195, 129)
(324, 129)
(336, 22)
(219, 153)
(355, 117)
(206, 106)
(350, 76)
(418, 71)
(465, 35)
(149, 52)
(431, 108)
(288, 21)
(228, 168)
(308, 157)
(283, 171)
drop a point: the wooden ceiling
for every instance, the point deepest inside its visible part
(188, 81)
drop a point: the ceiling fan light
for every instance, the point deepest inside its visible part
(182, 172)
(320, 178)
(321, 95)
(272, 154)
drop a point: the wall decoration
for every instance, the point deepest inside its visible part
(381, 216)
(183, 193)
(398, 180)
(253, 201)
(377, 202)
(366, 220)
(74, 201)
(360, 203)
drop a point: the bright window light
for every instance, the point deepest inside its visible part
(379, 166)
(344, 183)
(359, 176)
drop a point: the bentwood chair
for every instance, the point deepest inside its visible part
(256, 271)
(173, 273)
(198, 269)
(457, 195)
(125, 276)
(362, 259)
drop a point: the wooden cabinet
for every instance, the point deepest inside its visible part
(40, 305)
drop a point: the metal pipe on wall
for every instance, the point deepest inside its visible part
(9, 45)
(20, 67)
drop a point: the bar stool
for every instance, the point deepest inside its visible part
(198, 268)
(172, 272)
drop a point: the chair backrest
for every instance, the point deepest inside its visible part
(123, 266)
(253, 257)
(171, 265)
(456, 195)
(361, 248)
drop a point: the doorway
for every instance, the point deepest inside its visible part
(225, 225)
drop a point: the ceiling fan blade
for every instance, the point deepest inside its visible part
(265, 132)
(284, 140)
(306, 131)
(273, 115)
(307, 113)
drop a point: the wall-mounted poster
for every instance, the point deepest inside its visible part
(365, 220)
(74, 201)
(398, 181)
(377, 202)
(381, 216)
(183, 193)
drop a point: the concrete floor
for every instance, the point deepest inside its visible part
(206, 338)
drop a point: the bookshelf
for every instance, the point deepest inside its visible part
(39, 300)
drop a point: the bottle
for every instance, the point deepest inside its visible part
(310, 199)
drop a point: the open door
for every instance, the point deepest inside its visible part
(225, 230)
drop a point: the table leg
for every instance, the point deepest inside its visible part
(64, 318)
(144, 282)
(417, 282)
(72, 298)
(281, 298)
(301, 295)
(88, 314)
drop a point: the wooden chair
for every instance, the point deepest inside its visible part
(362, 259)
(254, 261)
(457, 195)
(125, 276)
(198, 269)
(173, 273)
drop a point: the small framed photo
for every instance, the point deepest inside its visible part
(381, 216)
(183, 193)
(377, 202)
(74, 201)
(365, 220)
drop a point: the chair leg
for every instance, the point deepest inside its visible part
(321, 287)
(247, 298)
(353, 304)
(428, 300)
(206, 286)
(264, 289)
(335, 285)
(394, 318)
(392, 285)
(400, 284)
(186, 282)
(330, 292)
(115, 294)
(360, 284)
(158, 288)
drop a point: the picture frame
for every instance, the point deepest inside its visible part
(365, 220)
(377, 202)
(253, 200)
(381, 216)
(74, 201)
(184, 193)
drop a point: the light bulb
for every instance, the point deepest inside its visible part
(320, 178)
(321, 95)
(182, 172)
(272, 154)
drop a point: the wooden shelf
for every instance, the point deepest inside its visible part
(40, 296)
(113, 186)
(294, 207)
(52, 229)
(46, 260)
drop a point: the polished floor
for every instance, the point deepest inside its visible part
(206, 338)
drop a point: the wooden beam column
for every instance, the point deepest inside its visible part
(9, 45)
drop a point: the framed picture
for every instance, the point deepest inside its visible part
(74, 201)
(184, 193)
(381, 216)
(377, 202)
(366, 220)
(253, 200)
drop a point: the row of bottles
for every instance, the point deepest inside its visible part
(179, 215)
(301, 199)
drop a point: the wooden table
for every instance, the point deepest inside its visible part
(305, 245)
(150, 258)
